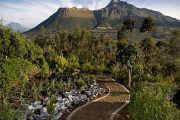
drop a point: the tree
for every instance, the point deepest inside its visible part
(44, 67)
(122, 34)
(127, 57)
(42, 39)
(130, 26)
(174, 46)
(148, 46)
(148, 25)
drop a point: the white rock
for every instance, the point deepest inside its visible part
(76, 100)
(66, 94)
(83, 97)
(31, 108)
(44, 112)
(37, 105)
(46, 101)
(59, 99)
(59, 106)
(57, 116)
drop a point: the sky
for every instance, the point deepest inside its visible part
(32, 12)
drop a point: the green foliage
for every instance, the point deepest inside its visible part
(79, 83)
(148, 25)
(87, 79)
(118, 73)
(122, 34)
(99, 68)
(129, 24)
(62, 63)
(148, 47)
(14, 45)
(138, 71)
(82, 45)
(43, 66)
(50, 106)
(8, 113)
(87, 67)
(15, 71)
(73, 62)
(174, 45)
(150, 101)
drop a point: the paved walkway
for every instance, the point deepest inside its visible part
(103, 108)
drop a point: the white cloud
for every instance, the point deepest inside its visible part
(32, 13)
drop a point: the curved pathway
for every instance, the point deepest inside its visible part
(105, 108)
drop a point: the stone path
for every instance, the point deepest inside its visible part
(103, 108)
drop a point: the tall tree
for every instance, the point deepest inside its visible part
(174, 46)
(42, 39)
(148, 25)
(127, 57)
(122, 34)
(129, 25)
(148, 46)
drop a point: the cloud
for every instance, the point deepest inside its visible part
(34, 12)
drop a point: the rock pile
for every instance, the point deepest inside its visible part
(39, 110)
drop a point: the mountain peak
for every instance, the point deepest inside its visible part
(115, 1)
(17, 27)
(114, 14)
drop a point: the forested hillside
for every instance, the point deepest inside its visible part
(54, 63)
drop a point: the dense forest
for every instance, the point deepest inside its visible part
(53, 63)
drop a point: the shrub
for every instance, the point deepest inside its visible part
(62, 63)
(119, 73)
(43, 66)
(99, 68)
(151, 101)
(8, 113)
(15, 71)
(87, 67)
(138, 71)
(147, 77)
(73, 62)
(79, 83)
(86, 78)
(158, 78)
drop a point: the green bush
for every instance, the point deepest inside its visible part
(147, 77)
(99, 68)
(118, 73)
(87, 67)
(73, 62)
(138, 71)
(43, 66)
(8, 113)
(15, 71)
(79, 83)
(87, 79)
(158, 78)
(151, 101)
(62, 64)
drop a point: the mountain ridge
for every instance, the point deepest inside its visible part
(17, 27)
(114, 14)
